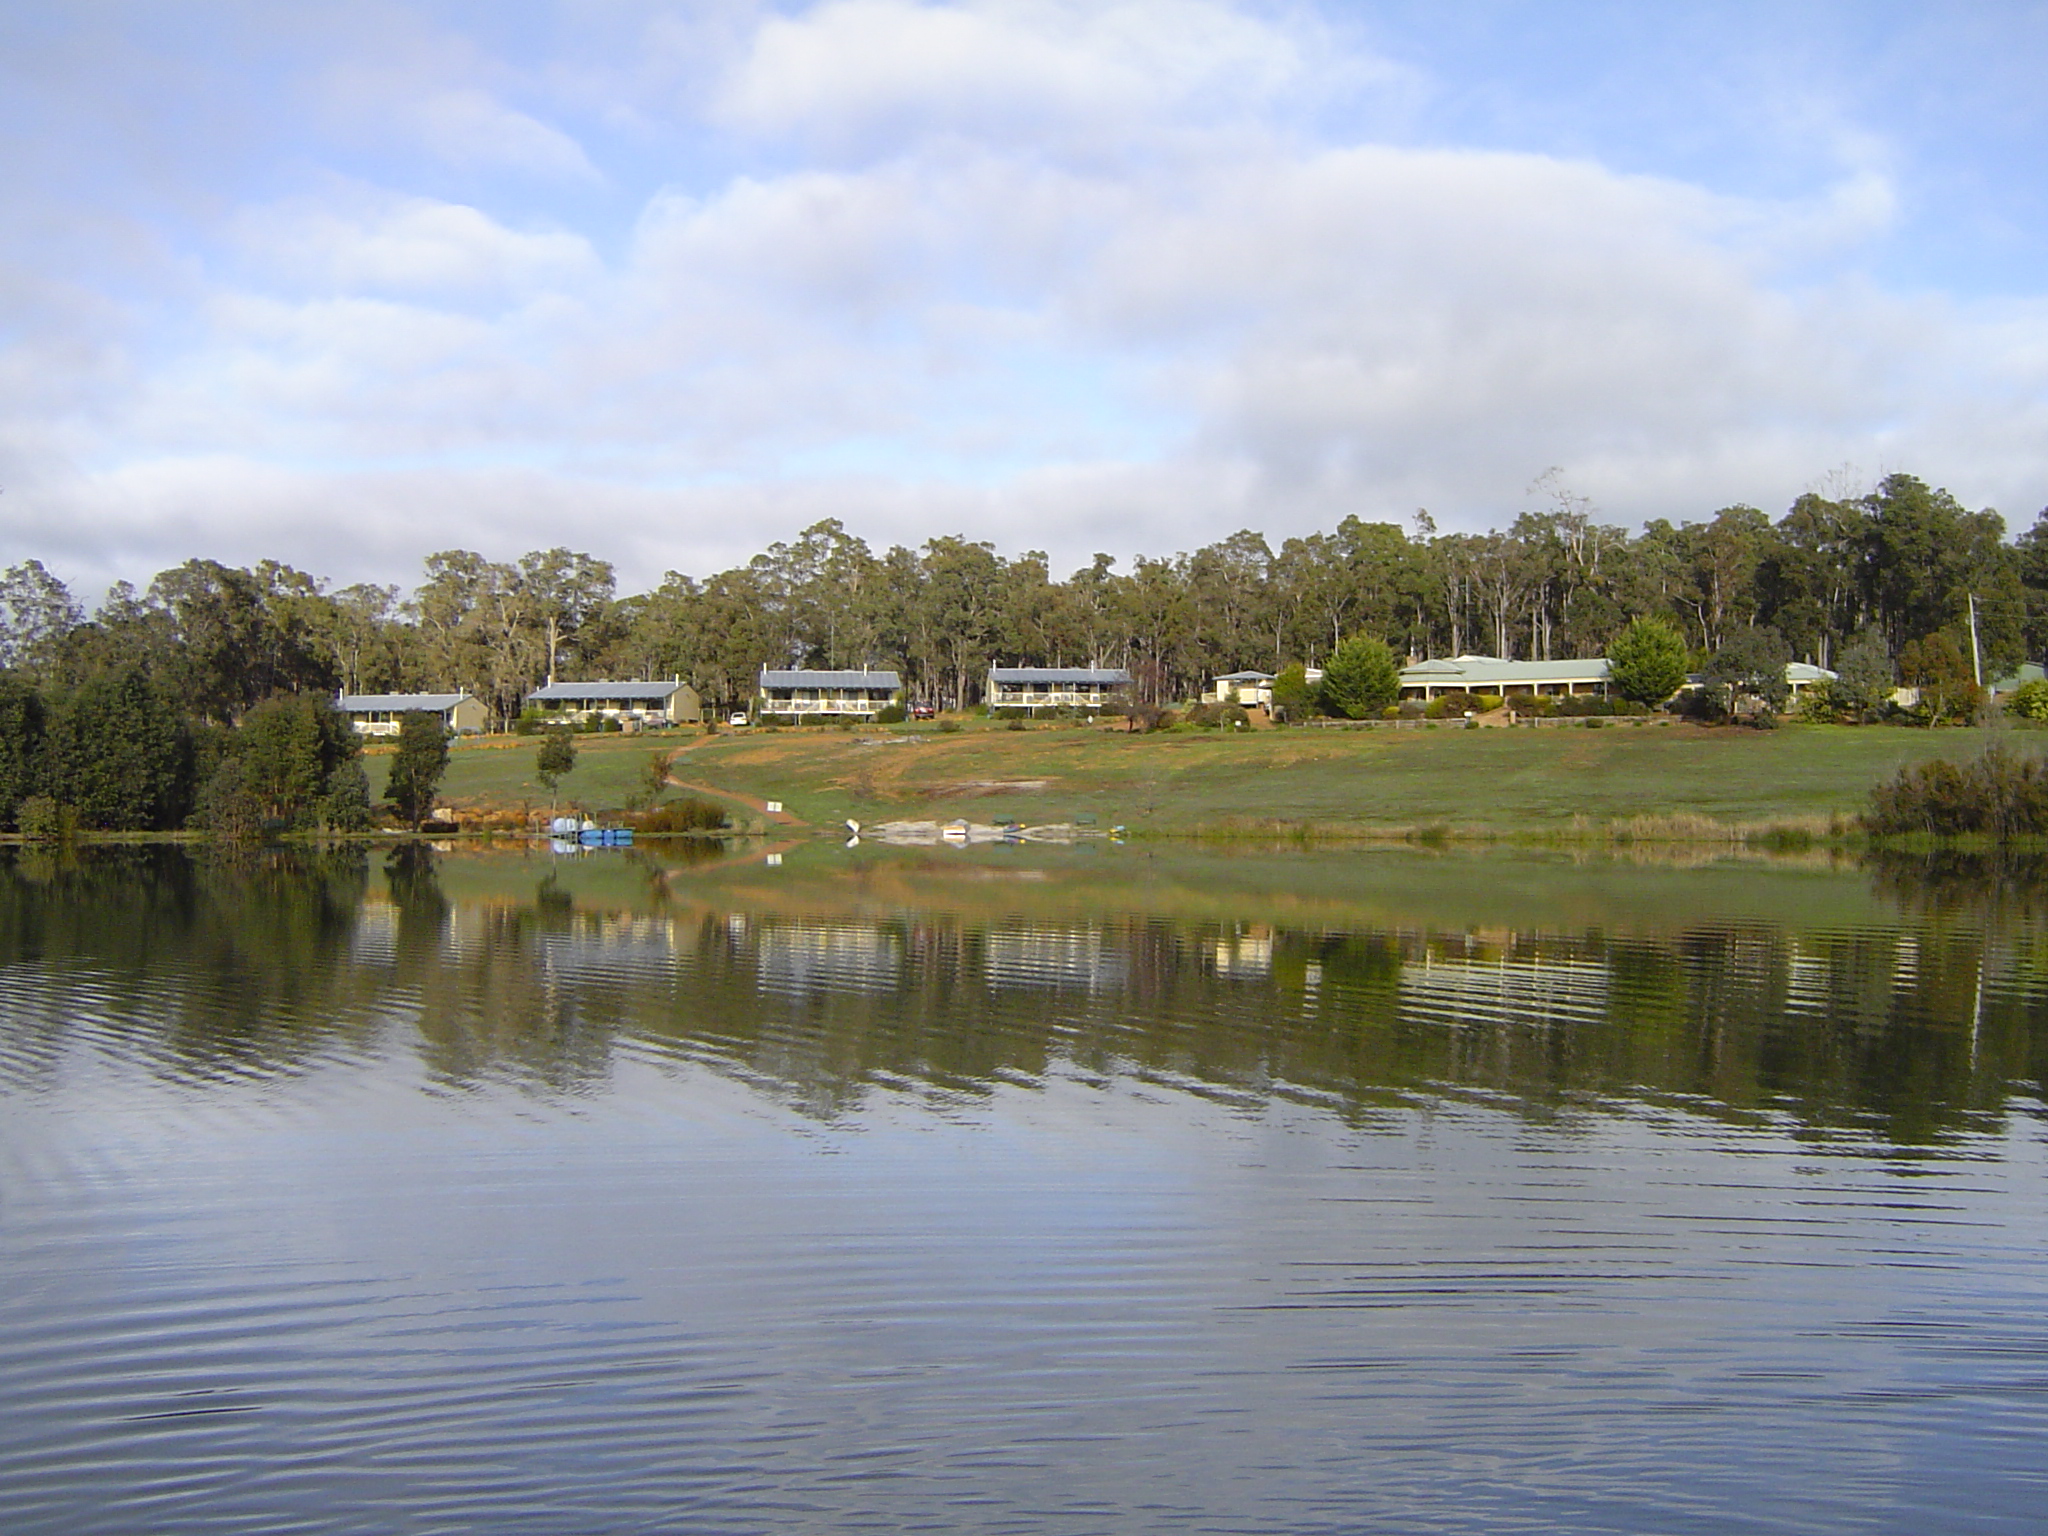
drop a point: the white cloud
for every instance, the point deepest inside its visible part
(970, 315)
(471, 128)
(854, 74)
(406, 245)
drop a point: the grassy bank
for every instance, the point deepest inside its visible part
(1660, 781)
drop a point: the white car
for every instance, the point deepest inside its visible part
(739, 717)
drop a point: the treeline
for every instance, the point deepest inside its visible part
(1877, 579)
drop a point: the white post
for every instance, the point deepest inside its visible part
(1976, 656)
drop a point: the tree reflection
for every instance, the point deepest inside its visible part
(272, 959)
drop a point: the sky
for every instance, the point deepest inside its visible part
(344, 285)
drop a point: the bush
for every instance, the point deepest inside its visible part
(1488, 702)
(1214, 717)
(530, 720)
(949, 725)
(688, 814)
(1705, 705)
(226, 806)
(2029, 701)
(1999, 795)
(1451, 706)
(892, 714)
(43, 820)
(1014, 722)
(1292, 694)
(1582, 706)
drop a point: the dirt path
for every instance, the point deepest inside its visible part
(753, 802)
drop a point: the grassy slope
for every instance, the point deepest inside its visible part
(1492, 780)
(498, 772)
(1511, 781)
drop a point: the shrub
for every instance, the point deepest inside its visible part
(1817, 706)
(1707, 704)
(949, 725)
(1451, 706)
(226, 807)
(1488, 702)
(43, 820)
(2029, 701)
(1948, 690)
(1014, 722)
(1581, 706)
(1291, 690)
(2000, 795)
(688, 814)
(892, 714)
(530, 720)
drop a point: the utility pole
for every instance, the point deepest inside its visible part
(1976, 656)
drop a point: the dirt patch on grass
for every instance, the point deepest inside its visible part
(969, 788)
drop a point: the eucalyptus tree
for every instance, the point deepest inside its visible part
(1807, 579)
(961, 604)
(1230, 586)
(1722, 557)
(368, 640)
(36, 612)
(1925, 556)
(1084, 625)
(444, 611)
(223, 637)
(2030, 553)
(565, 594)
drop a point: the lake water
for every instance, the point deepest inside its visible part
(1009, 1191)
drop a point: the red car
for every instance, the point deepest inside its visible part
(923, 712)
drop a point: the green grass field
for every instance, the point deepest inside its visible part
(497, 773)
(1557, 781)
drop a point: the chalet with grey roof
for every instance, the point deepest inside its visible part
(1036, 688)
(673, 702)
(799, 694)
(378, 714)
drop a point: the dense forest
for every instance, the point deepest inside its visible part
(204, 644)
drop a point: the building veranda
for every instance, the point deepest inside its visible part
(1035, 688)
(667, 702)
(797, 694)
(379, 714)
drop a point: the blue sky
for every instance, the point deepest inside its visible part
(343, 285)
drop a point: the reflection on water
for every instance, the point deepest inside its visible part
(367, 1192)
(1905, 1032)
